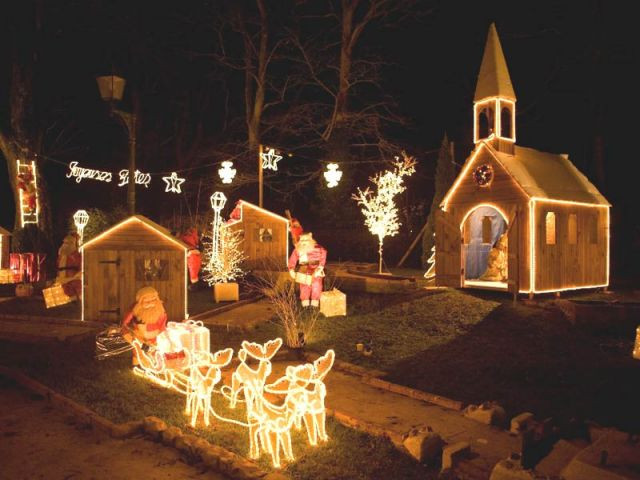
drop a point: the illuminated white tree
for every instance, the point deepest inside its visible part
(225, 266)
(379, 208)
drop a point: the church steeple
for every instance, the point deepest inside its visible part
(494, 103)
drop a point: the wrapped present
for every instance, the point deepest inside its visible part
(333, 303)
(6, 275)
(190, 335)
(24, 290)
(54, 296)
(226, 292)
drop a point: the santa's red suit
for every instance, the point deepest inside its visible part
(69, 264)
(311, 259)
(194, 261)
(296, 230)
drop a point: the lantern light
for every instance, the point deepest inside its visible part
(80, 218)
(227, 173)
(332, 175)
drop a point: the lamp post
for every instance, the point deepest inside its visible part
(218, 199)
(80, 218)
(111, 89)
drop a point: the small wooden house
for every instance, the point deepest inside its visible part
(265, 236)
(4, 248)
(531, 214)
(128, 256)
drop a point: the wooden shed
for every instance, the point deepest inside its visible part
(265, 235)
(128, 256)
(553, 222)
(5, 239)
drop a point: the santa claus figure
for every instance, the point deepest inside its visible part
(69, 265)
(194, 261)
(28, 187)
(146, 320)
(296, 230)
(311, 259)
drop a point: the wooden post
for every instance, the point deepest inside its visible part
(260, 175)
(516, 285)
(412, 246)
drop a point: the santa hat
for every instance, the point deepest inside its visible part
(144, 292)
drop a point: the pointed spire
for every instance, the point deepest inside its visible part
(493, 79)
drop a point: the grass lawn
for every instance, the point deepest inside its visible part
(111, 389)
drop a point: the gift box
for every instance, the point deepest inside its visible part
(54, 296)
(24, 290)
(333, 303)
(6, 275)
(190, 335)
(226, 292)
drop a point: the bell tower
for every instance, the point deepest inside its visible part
(494, 103)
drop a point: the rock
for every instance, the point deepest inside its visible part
(276, 476)
(557, 459)
(200, 445)
(489, 413)
(211, 459)
(153, 426)
(511, 470)
(452, 454)
(425, 447)
(125, 430)
(170, 435)
(187, 443)
(521, 422)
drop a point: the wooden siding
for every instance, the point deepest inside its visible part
(504, 194)
(259, 254)
(565, 265)
(4, 252)
(110, 282)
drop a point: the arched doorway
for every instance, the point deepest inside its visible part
(485, 247)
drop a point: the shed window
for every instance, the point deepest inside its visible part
(593, 228)
(486, 229)
(152, 270)
(550, 228)
(572, 228)
(266, 235)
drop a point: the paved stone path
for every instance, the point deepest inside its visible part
(38, 441)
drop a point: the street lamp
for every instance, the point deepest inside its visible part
(218, 199)
(80, 218)
(111, 90)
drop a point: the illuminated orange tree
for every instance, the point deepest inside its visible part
(379, 208)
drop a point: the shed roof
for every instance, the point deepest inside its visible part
(493, 79)
(542, 175)
(549, 175)
(4, 232)
(242, 203)
(141, 220)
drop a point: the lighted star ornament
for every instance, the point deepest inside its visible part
(173, 183)
(227, 172)
(332, 175)
(270, 160)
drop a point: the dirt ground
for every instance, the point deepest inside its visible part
(38, 441)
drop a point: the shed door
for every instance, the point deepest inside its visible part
(102, 292)
(449, 272)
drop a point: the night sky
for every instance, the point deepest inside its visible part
(570, 63)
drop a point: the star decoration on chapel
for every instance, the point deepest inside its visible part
(270, 160)
(173, 183)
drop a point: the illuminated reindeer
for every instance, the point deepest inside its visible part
(151, 365)
(204, 375)
(251, 382)
(305, 392)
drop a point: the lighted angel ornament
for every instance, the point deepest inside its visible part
(226, 172)
(332, 175)
(379, 208)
